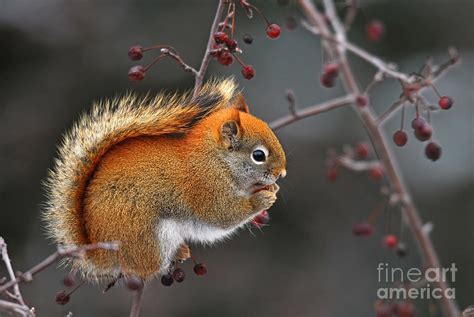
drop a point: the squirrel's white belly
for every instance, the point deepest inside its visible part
(171, 234)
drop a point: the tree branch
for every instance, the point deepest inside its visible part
(369, 119)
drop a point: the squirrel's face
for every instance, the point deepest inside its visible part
(252, 152)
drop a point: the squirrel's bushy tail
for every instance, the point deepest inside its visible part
(108, 123)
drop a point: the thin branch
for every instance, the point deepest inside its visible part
(8, 265)
(391, 111)
(74, 251)
(381, 144)
(296, 115)
(207, 55)
(137, 301)
(15, 308)
(356, 166)
(179, 60)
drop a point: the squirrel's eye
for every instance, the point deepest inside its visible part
(259, 156)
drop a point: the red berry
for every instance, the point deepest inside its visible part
(433, 151)
(247, 38)
(376, 172)
(424, 133)
(362, 100)
(445, 102)
(248, 72)
(383, 310)
(262, 218)
(362, 150)
(327, 81)
(136, 73)
(362, 229)
(375, 30)
(167, 280)
(134, 283)
(62, 298)
(331, 69)
(418, 123)
(135, 53)
(332, 174)
(69, 280)
(400, 138)
(390, 241)
(231, 44)
(200, 269)
(405, 309)
(220, 37)
(225, 58)
(179, 275)
(273, 31)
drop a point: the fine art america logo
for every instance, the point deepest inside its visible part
(414, 283)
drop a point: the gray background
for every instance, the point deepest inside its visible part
(57, 57)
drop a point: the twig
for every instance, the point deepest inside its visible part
(137, 301)
(296, 115)
(56, 256)
(8, 265)
(15, 308)
(390, 111)
(199, 77)
(369, 119)
(179, 60)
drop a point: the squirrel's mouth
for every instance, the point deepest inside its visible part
(259, 187)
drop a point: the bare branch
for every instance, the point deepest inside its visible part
(179, 60)
(297, 115)
(137, 301)
(6, 259)
(391, 111)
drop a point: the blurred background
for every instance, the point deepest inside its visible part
(58, 56)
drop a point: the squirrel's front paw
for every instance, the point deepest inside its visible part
(263, 199)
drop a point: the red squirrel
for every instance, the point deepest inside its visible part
(155, 173)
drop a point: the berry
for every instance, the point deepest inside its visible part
(327, 81)
(290, 23)
(332, 174)
(200, 269)
(248, 72)
(134, 283)
(383, 310)
(445, 102)
(418, 123)
(136, 73)
(433, 151)
(167, 280)
(231, 44)
(390, 241)
(62, 298)
(405, 309)
(376, 172)
(179, 275)
(401, 250)
(225, 58)
(362, 100)
(247, 38)
(362, 229)
(273, 31)
(424, 133)
(362, 150)
(135, 53)
(400, 138)
(375, 30)
(220, 37)
(261, 219)
(331, 69)
(69, 280)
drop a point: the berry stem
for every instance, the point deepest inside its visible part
(76, 288)
(402, 124)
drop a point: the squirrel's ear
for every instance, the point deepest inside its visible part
(231, 132)
(240, 104)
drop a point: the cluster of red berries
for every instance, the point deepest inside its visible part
(390, 241)
(329, 75)
(63, 297)
(399, 309)
(178, 275)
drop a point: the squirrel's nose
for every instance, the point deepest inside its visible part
(282, 174)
